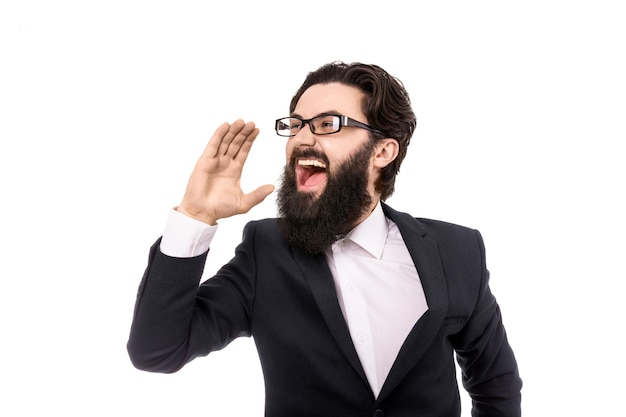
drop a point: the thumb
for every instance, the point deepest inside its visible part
(255, 197)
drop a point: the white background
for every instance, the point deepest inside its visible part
(105, 106)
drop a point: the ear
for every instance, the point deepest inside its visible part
(385, 152)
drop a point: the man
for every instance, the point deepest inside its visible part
(355, 309)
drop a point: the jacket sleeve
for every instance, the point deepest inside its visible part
(489, 368)
(177, 319)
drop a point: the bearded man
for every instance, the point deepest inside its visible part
(356, 309)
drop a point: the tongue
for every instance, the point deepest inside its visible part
(314, 179)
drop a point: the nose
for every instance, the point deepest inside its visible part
(305, 137)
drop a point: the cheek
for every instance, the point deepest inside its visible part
(338, 156)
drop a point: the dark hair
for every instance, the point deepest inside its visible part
(386, 106)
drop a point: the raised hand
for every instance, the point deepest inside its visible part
(214, 188)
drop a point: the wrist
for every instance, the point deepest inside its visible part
(197, 216)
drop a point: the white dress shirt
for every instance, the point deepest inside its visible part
(379, 291)
(378, 287)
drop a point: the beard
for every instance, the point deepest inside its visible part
(314, 223)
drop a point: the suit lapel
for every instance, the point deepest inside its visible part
(320, 280)
(426, 257)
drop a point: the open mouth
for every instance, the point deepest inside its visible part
(310, 173)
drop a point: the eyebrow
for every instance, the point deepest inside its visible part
(326, 113)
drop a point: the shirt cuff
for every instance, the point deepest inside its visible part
(185, 237)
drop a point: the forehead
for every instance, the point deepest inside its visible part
(331, 97)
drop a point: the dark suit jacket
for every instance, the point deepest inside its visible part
(286, 300)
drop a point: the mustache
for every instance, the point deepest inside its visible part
(307, 153)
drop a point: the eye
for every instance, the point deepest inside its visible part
(327, 124)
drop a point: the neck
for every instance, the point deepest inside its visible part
(375, 200)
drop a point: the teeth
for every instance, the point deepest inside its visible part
(311, 162)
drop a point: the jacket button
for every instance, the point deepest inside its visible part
(379, 413)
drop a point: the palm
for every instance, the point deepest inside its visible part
(214, 188)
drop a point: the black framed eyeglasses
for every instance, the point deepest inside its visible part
(324, 124)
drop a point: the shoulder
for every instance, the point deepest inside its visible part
(268, 225)
(427, 227)
(451, 238)
(264, 232)
(438, 226)
(442, 229)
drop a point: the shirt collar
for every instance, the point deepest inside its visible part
(371, 233)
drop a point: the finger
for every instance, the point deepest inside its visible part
(242, 139)
(228, 137)
(211, 149)
(255, 197)
(244, 144)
